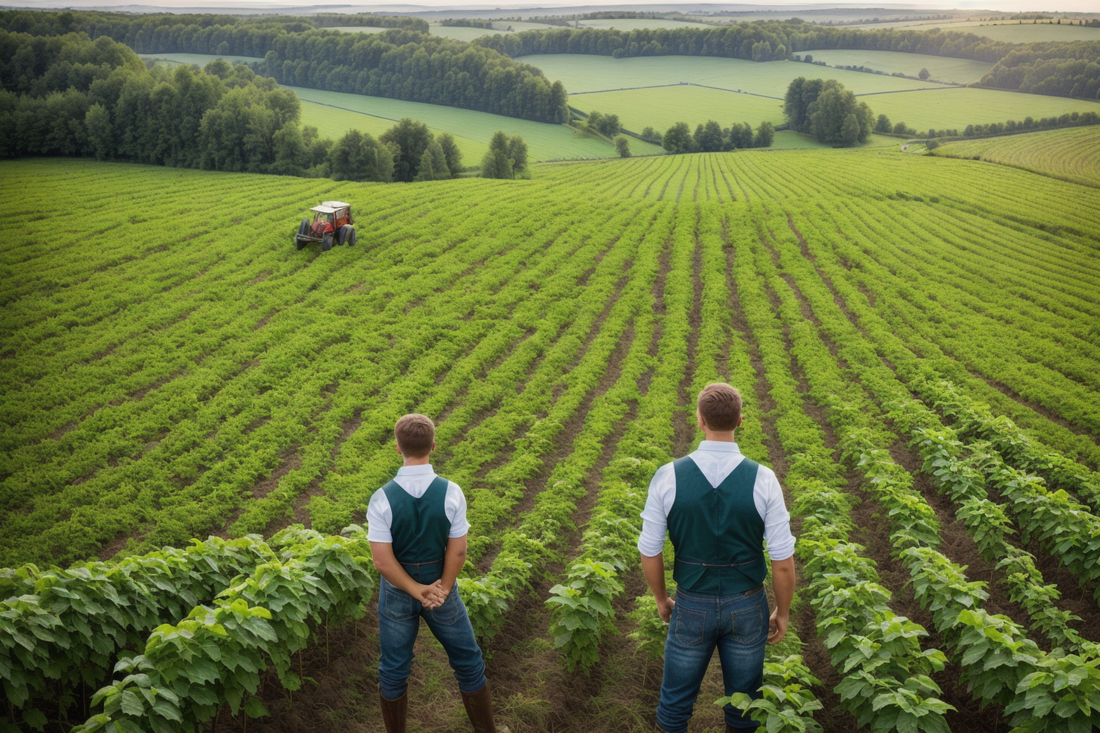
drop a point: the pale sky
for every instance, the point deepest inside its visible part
(1087, 6)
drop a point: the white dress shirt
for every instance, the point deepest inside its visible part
(415, 481)
(717, 460)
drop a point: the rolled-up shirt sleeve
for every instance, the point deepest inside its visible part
(379, 517)
(768, 496)
(659, 499)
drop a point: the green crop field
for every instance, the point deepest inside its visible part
(956, 107)
(662, 107)
(587, 73)
(1072, 155)
(915, 338)
(634, 24)
(899, 99)
(941, 68)
(460, 33)
(334, 113)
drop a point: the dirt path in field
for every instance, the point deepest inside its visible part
(869, 517)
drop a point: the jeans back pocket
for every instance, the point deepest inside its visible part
(689, 626)
(397, 604)
(749, 625)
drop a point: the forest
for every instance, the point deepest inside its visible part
(68, 95)
(401, 63)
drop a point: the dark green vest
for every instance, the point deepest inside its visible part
(420, 527)
(717, 532)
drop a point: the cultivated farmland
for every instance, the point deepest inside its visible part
(1072, 155)
(915, 338)
(940, 68)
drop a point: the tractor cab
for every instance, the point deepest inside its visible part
(331, 225)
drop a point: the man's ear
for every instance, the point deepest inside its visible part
(397, 446)
(699, 420)
(740, 419)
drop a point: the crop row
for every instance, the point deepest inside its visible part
(886, 675)
(535, 539)
(1068, 154)
(915, 530)
(215, 655)
(975, 421)
(62, 630)
(839, 251)
(260, 411)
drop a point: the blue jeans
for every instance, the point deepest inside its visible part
(398, 623)
(738, 625)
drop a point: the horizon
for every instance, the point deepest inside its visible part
(426, 6)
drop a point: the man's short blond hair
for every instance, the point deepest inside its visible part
(415, 435)
(719, 405)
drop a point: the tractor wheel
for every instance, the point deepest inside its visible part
(299, 244)
(350, 239)
(326, 243)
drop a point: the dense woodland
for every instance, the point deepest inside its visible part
(1062, 69)
(402, 63)
(69, 95)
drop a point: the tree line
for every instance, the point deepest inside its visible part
(402, 63)
(1063, 69)
(69, 95)
(711, 137)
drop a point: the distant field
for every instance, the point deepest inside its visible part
(587, 73)
(459, 33)
(961, 71)
(919, 104)
(635, 24)
(357, 29)
(472, 129)
(1072, 155)
(202, 59)
(959, 107)
(663, 107)
(1011, 31)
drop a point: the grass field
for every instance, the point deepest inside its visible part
(356, 29)
(663, 107)
(1072, 155)
(459, 33)
(1010, 31)
(958, 107)
(633, 24)
(201, 59)
(587, 73)
(960, 71)
(333, 112)
(172, 368)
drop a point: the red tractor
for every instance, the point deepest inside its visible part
(331, 225)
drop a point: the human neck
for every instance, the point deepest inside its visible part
(719, 436)
(422, 461)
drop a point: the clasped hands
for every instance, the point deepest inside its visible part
(432, 596)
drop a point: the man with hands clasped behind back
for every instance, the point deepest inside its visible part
(718, 508)
(417, 531)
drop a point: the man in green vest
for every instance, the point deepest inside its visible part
(718, 508)
(417, 531)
